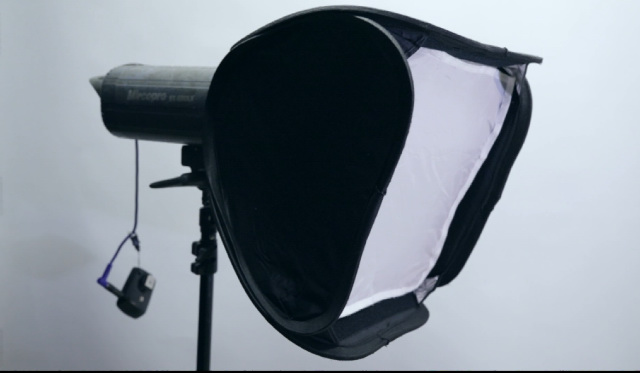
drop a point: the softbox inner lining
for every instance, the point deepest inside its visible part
(459, 109)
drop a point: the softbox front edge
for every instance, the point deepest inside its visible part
(305, 135)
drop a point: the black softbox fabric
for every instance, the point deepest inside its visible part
(312, 121)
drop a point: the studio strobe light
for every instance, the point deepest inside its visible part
(350, 158)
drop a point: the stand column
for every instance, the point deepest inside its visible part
(205, 250)
(205, 266)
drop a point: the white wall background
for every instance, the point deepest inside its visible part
(552, 284)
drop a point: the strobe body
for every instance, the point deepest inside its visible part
(157, 103)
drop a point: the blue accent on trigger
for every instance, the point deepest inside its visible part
(103, 280)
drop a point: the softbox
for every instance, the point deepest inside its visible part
(354, 156)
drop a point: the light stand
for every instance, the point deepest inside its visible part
(205, 250)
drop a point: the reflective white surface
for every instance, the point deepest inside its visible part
(459, 108)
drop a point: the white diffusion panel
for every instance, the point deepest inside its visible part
(459, 109)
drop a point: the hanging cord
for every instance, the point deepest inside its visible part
(131, 236)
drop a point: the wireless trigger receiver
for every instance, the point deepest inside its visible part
(136, 292)
(134, 297)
